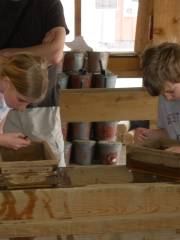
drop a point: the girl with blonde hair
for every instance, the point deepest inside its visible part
(23, 81)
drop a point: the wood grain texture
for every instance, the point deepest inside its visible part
(166, 21)
(33, 166)
(151, 158)
(144, 25)
(93, 209)
(107, 105)
(75, 176)
(125, 66)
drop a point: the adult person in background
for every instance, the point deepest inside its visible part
(37, 27)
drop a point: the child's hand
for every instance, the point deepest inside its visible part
(142, 134)
(174, 149)
(14, 140)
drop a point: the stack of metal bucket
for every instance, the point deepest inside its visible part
(89, 143)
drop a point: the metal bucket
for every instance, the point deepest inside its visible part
(108, 152)
(62, 79)
(93, 61)
(80, 131)
(84, 150)
(80, 80)
(106, 131)
(73, 61)
(104, 81)
(67, 152)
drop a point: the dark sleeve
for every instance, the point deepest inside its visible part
(55, 15)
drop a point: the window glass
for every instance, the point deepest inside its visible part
(109, 25)
(69, 7)
(128, 82)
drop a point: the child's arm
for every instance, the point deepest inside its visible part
(142, 134)
(174, 149)
(14, 140)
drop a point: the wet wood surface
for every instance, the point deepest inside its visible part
(92, 209)
(151, 158)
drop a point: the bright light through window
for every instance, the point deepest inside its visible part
(128, 82)
(109, 25)
(68, 6)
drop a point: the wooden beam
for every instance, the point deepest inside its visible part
(152, 158)
(76, 176)
(144, 26)
(125, 66)
(84, 226)
(107, 105)
(166, 28)
(77, 17)
(93, 209)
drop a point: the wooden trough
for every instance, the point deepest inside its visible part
(151, 158)
(33, 166)
(101, 200)
(86, 200)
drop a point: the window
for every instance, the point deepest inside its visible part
(109, 25)
(69, 7)
(106, 25)
(130, 8)
(106, 4)
(128, 83)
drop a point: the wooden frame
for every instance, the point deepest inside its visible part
(90, 105)
(114, 207)
(151, 158)
(33, 166)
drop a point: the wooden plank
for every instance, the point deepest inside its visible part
(125, 66)
(37, 150)
(144, 25)
(107, 105)
(144, 235)
(90, 201)
(77, 17)
(20, 166)
(155, 170)
(166, 21)
(31, 169)
(33, 166)
(84, 226)
(155, 153)
(148, 177)
(75, 176)
(94, 209)
(29, 180)
(152, 158)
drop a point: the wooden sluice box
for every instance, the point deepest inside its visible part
(90, 200)
(96, 199)
(152, 158)
(32, 166)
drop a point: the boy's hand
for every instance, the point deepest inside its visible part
(142, 134)
(174, 149)
(14, 140)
